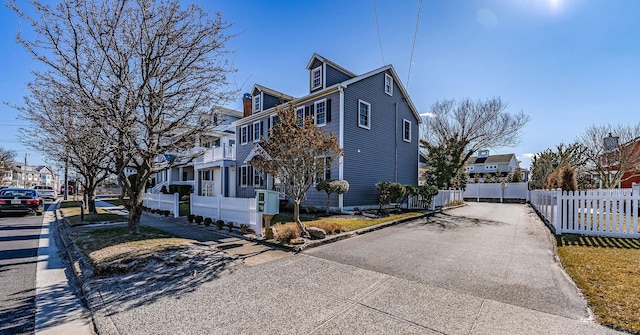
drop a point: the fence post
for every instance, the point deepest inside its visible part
(176, 205)
(559, 212)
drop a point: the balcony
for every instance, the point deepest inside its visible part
(217, 154)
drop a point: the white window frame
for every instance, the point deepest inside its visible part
(368, 125)
(406, 122)
(324, 169)
(257, 103)
(244, 175)
(322, 102)
(257, 129)
(388, 84)
(313, 78)
(257, 175)
(273, 117)
(244, 134)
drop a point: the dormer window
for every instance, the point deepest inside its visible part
(388, 84)
(257, 104)
(316, 78)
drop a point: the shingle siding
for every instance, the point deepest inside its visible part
(370, 154)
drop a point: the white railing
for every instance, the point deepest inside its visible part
(170, 202)
(238, 210)
(207, 188)
(216, 154)
(601, 212)
(497, 191)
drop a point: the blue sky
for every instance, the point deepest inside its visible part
(566, 63)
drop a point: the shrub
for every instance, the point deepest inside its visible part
(208, 222)
(389, 192)
(164, 190)
(199, 219)
(220, 224)
(332, 186)
(244, 228)
(286, 232)
(230, 225)
(329, 227)
(191, 217)
(182, 190)
(166, 212)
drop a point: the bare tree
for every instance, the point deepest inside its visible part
(613, 152)
(473, 125)
(146, 73)
(295, 153)
(548, 161)
(6, 160)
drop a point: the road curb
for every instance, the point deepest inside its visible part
(82, 269)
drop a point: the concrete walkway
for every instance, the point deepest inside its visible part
(305, 294)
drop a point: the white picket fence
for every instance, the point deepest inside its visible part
(497, 191)
(601, 212)
(443, 199)
(170, 202)
(238, 210)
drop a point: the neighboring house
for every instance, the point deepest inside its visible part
(23, 175)
(212, 173)
(371, 115)
(607, 161)
(499, 166)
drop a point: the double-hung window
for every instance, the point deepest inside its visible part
(257, 131)
(316, 78)
(406, 130)
(300, 115)
(244, 175)
(388, 84)
(323, 168)
(257, 178)
(364, 114)
(244, 135)
(321, 112)
(257, 104)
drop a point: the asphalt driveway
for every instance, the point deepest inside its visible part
(501, 252)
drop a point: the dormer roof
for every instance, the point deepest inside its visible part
(271, 92)
(326, 61)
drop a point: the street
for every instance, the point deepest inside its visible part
(19, 238)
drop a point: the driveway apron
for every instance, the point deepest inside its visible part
(500, 252)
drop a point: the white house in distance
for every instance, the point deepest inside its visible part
(24, 175)
(494, 165)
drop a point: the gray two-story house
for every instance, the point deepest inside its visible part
(371, 115)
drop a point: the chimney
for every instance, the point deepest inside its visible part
(26, 155)
(247, 104)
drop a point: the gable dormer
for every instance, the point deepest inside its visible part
(324, 73)
(263, 98)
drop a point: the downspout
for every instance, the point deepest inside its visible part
(396, 145)
(341, 142)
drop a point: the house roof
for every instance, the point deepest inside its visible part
(325, 60)
(271, 92)
(491, 159)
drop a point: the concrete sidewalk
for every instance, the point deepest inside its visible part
(304, 294)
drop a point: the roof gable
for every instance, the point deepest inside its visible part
(328, 62)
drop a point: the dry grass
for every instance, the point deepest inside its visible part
(351, 224)
(71, 212)
(607, 270)
(114, 244)
(328, 227)
(286, 231)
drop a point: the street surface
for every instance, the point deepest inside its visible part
(19, 238)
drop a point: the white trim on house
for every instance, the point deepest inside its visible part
(341, 142)
(244, 135)
(312, 84)
(257, 130)
(324, 113)
(257, 103)
(388, 84)
(406, 122)
(368, 123)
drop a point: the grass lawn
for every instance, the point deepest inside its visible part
(103, 245)
(71, 212)
(354, 224)
(607, 270)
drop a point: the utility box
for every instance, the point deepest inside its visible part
(267, 202)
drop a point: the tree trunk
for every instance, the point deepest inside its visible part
(90, 197)
(135, 213)
(304, 232)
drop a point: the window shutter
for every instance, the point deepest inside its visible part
(250, 132)
(312, 112)
(306, 111)
(328, 110)
(269, 123)
(261, 128)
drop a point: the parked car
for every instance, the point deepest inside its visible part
(21, 200)
(46, 192)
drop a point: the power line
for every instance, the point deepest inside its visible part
(375, 11)
(415, 34)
